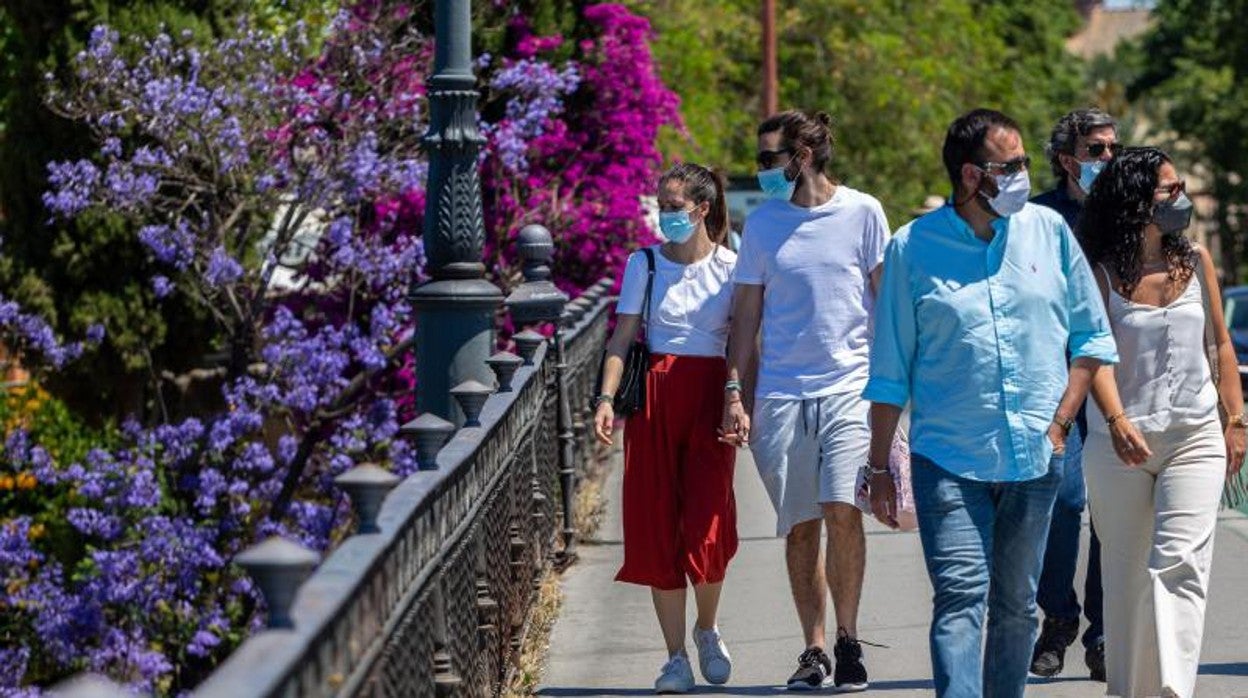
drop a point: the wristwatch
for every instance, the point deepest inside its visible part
(1237, 420)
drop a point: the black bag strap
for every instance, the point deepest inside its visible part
(645, 312)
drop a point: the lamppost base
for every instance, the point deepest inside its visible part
(454, 337)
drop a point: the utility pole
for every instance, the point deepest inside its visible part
(771, 89)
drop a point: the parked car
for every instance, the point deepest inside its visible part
(1235, 305)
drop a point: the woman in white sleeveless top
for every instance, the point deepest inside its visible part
(1158, 457)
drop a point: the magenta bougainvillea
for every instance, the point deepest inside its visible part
(286, 196)
(585, 170)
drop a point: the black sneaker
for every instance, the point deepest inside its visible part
(813, 667)
(1049, 655)
(1095, 659)
(851, 675)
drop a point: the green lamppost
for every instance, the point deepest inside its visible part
(455, 308)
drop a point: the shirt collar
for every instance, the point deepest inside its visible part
(999, 224)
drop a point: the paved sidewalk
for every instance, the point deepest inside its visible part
(607, 641)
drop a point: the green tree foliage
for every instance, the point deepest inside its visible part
(892, 74)
(91, 271)
(711, 59)
(1194, 65)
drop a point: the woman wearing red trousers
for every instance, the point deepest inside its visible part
(679, 513)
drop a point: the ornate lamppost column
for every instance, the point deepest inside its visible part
(455, 309)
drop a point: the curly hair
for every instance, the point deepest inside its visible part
(1119, 207)
(1067, 132)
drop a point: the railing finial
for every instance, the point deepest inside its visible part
(278, 567)
(367, 485)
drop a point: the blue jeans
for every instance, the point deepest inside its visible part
(983, 543)
(1056, 594)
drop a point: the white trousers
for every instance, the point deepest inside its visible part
(1156, 523)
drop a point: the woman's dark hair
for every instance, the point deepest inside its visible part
(799, 128)
(1119, 207)
(964, 141)
(703, 185)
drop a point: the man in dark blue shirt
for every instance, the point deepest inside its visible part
(1080, 145)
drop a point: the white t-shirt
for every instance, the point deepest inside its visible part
(690, 304)
(815, 266)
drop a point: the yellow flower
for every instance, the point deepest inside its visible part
(26, 481)
(6, 483)
(37, 531)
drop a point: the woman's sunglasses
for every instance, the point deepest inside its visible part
(1173, 189)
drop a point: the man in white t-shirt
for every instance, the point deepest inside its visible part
(806, 275)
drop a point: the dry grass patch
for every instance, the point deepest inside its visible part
(533, 649)
(587, 512)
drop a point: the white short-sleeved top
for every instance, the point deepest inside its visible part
(690, 304)
(815, 267)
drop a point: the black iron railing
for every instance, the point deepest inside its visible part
(436, 602)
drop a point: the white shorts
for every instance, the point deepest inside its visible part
(810, 452)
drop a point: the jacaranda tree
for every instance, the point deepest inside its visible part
(284, 197)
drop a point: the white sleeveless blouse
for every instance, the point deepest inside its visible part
(1163, 373)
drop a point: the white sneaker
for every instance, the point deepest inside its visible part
(713, 656)
(676, 676)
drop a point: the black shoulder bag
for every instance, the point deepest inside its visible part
(630, 396)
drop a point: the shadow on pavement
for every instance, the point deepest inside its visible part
(570, 692)
(1041, 681)
(700, 690)
(902, 685)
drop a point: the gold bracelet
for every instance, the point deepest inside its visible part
(1237, 420)
(1109, 421)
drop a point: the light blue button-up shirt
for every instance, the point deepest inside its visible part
(974, 335)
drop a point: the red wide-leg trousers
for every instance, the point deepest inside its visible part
(680, 518)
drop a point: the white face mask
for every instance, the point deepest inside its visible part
(1013, 191)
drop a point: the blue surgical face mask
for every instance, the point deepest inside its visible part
(676, 226)
(776, 184)
(1088, 172)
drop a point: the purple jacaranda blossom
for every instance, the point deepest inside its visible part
(24, 333)
(95, 523)
(222, 268)
(223, 157)
(173, 245)
(161, 286)
(74, 184)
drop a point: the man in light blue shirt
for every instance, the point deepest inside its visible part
(978, 303)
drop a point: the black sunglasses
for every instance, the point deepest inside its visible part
(1098, 149)
(767, 158)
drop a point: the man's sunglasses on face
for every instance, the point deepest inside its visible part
(767, 158)
(1098, 149)
(1010, 167)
